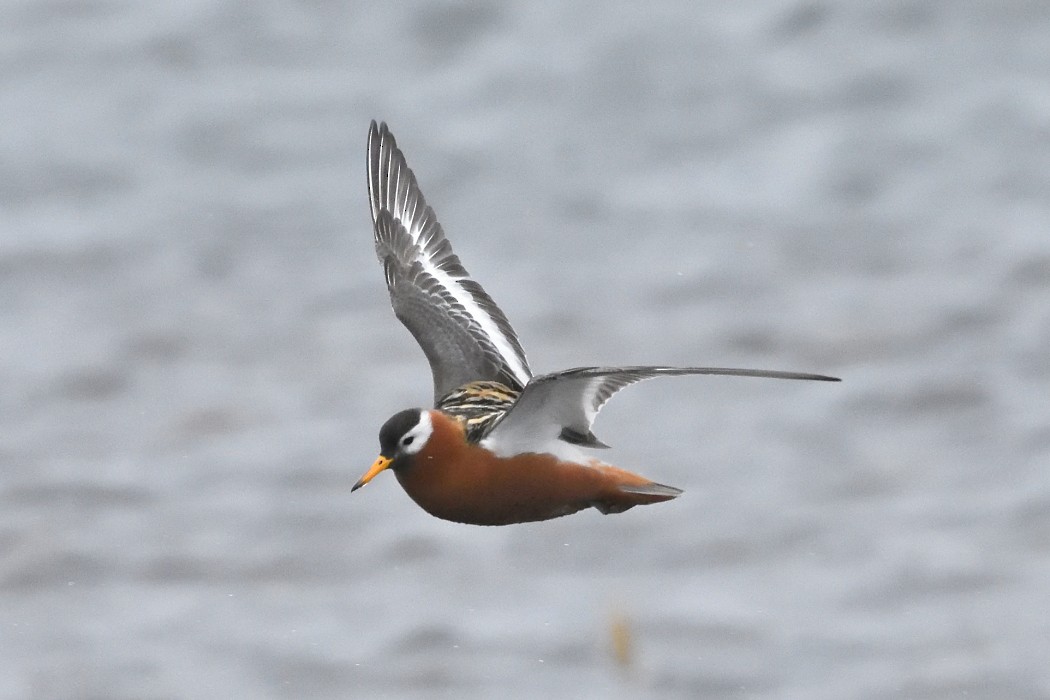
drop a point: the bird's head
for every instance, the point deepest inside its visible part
(400, 439)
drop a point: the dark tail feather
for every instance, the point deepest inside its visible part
(658, 492)
(628, 496)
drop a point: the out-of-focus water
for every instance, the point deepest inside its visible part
(196, 349)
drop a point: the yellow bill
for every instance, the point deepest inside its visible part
(379, 465)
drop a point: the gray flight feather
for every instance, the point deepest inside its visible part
(464, 335)
(552, 405)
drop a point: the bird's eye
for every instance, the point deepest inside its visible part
(408, 440)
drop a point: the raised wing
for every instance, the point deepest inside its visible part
(464, 335)
(555, 409)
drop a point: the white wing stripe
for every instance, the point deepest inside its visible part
(587, 399)
(461, 295)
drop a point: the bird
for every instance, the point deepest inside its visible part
(501, 445)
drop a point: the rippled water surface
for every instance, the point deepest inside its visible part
(196, 349)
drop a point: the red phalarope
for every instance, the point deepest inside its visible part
(500, 445)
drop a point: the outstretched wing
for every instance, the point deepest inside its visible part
(555, 409)
(464, 335)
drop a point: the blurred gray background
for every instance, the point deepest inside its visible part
(197, 352)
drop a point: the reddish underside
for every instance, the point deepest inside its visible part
(454, 480)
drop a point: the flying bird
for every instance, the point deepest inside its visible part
(501, 445)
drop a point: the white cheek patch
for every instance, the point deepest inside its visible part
(419, 434)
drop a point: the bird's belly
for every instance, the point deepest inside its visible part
(484, 490)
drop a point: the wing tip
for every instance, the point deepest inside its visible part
(805, 376)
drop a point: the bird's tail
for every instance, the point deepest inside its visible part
(629, 490)
(658, 492)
